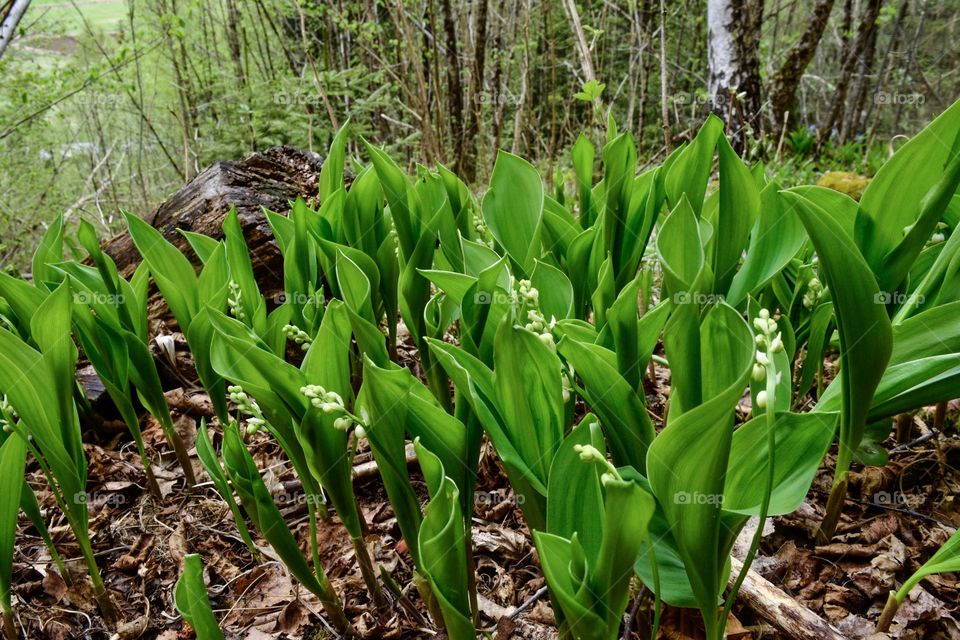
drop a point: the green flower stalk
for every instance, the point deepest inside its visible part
(769, 343)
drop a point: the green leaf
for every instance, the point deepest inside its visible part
(686, 463)
(775, 239)
(263, 511)
(172, 272)
(331, 173)
(443, 547)
(190, 598)
(529, 394)
(556, 292)
(690, 170)
(13, 455)
(945, 560)
(202, 245)
(622, 411)
(49, 252)
(328, 364)
(738, 207)
(866, 337)
(211, 464)
(513, 209)
(912, 189)
(802, 440)
(582, 156)
(577, 512)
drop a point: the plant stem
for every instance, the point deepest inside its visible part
(904, 422)
(180, 450)
(108, 609)
(9, 630)
(771, 415)
(834, 509)
(369, 575)
(333, 608)
(889, 611)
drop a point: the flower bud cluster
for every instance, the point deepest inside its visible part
(234, 301)
(298, 335)
(589, 453)
(330, 402)
(247, 406)
(769, 341)
(527, 296)
(813, 294)
(6, 415)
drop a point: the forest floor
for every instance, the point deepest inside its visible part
(893, 521)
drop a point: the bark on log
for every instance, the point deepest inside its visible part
(270, 179)
(774, 607)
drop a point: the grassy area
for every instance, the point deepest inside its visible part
(67, 18)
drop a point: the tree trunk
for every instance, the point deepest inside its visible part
(733, 43)
(782, 88)
(9, 21)
(454, 85)
(864, 33)
(475, 106)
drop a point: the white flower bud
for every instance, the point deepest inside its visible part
(776, 346)
(759, 372)
(762, 399)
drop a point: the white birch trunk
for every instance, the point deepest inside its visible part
(8, 25)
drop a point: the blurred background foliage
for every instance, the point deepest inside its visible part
(109, 104)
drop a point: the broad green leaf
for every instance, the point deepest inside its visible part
(443, 547)
(577, 512)
(775, 239)
(190, 598)
(690, 169)
(686, 463)
(513, 209)
(331, 173)
(582, 156)
(556, 292)
(912, 189)
(202, 245)
(529, 395)
(738, 207)
(802, 440)
(866, 337)
(13, 454)
(263, 511)
(622, 411)
(172, 272)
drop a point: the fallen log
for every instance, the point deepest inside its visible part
(270, 179)
(776, 608)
